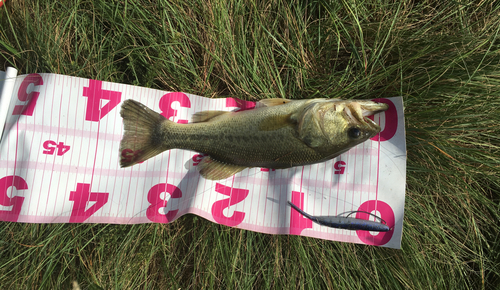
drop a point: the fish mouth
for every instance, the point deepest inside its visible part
(371, 108)
(359, 111)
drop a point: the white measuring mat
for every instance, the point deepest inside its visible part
(59, 163)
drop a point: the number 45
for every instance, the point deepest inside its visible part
(50, 146)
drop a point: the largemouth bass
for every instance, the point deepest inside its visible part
(280, 134)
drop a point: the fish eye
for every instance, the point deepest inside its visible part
(354, 133)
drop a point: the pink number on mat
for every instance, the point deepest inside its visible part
(61, 148)
(297, 222)
(128, 155)
(339, 167)
(16, 201)
(50, 146)
(157, 202)
(95, 94)
(30, 99)
(197, 158)
(243, 105)
(166, 105)
(235, 195)
(391, 121)
(81, 197)
(386, 213)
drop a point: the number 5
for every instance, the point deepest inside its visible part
(16, 202)
(30, 99)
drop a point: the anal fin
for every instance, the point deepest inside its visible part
(214, 170)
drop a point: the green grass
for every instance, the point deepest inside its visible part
(443, 57)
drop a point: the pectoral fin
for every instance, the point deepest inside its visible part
(312, 142)
(276, 122)
(215, 170)
(206, 115)
(274, 102)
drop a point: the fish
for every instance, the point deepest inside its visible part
(278, 133)
(347, 223)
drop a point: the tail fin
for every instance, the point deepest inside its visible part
(142, 138)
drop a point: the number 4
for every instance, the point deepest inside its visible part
(81, 197)
(95, 94)
(61, 148)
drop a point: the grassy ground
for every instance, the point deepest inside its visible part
(442, 56)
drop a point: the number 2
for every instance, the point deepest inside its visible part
(235, 195)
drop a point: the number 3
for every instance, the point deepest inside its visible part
(157, 202)
(166, 105)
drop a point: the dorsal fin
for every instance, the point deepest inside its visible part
(214, 170)
(274, 102)
(204, 116)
